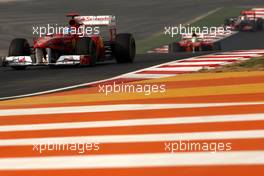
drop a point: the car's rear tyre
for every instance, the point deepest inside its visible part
(217, 46)
(19, 47)
(205, 48)
(86, 46)
(175, 47)
(198, 48)
(260, 24)
(241, 28)
(254, 26)
(228, 21)
(124, 48)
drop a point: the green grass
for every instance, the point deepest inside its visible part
(249, 65)
(256, 62)
(215, 19)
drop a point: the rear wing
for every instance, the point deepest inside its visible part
(209, 37)
(253, 14)
(201, 36)
(248, 12)
(102, 20)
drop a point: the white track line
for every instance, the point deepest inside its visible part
(245, 52)
(126, 75)
(136, 122)
(119, 107)
(258, 9)
(237, 134)
(219, 56)
(187, 68)
(236, 55)
(251, 50)
(134, 160)
(222, 58)
(191, 63)
(148, 76)
(198, 63)
(203, 16)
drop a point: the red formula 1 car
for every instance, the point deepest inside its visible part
(187, 44)
(247, 21)
(74, 47)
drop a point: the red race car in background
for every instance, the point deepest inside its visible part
(74, 48)
(201, 43)
(247, 21)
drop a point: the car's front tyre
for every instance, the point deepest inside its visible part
(19, 47)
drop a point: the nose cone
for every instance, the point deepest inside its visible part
(43, 42)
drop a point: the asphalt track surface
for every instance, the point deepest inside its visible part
(36, 79)
(143, 18)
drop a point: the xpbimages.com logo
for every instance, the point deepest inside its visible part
(197, 146)
(174, 31)
(79, 148)
(55, 29)
(146, 89)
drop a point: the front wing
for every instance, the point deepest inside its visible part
(63, 60)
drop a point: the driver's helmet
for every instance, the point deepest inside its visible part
(243, 17)
(194, 37)
(194, 34)
(68, 30)
(73, 26)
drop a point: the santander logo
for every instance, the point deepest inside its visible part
(22, 59)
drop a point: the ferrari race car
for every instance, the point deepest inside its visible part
(247, 21)
(74, 48)
(187, 44)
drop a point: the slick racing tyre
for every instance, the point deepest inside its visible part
(217, 46)
(254, 27)
(175, 47)
(205, 48)
(19, 47)
(86, 46)
(124, 48)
